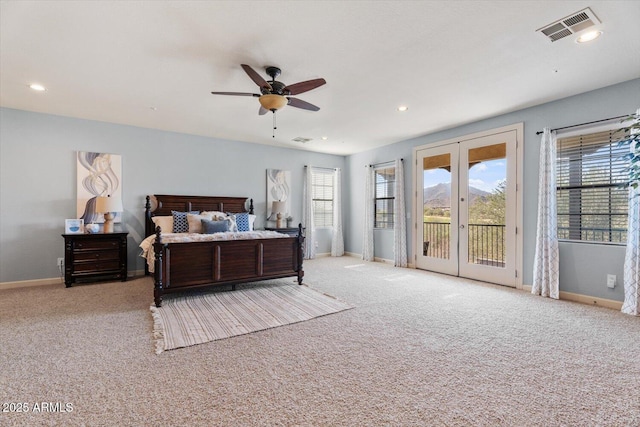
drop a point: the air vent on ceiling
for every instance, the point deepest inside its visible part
(570, 25)
(301, 139)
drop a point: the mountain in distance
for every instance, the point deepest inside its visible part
(439, 195)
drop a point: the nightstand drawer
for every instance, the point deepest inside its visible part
(98, 266)
(88, 245)
(96, 256)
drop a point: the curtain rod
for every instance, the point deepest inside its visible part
(320, 167)
(382, 163)
(587, 123)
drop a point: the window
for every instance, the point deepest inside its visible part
(592, 198)
(385, 180)
(322, 195)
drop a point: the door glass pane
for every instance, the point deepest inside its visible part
(487, 205)
(437, 206)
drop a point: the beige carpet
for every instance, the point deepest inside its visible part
(419, 349)
(201, 317)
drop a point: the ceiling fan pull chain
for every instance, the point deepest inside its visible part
(274, 125)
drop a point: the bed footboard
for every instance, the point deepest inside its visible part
(182, 266)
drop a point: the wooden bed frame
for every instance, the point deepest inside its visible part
(182, 266)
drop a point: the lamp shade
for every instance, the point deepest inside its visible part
(108, 204)
(276, 208)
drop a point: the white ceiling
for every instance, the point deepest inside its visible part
(451, 62)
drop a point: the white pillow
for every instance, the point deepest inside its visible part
(252, 219)
(232, 222)
(195, 221)
(214, 213)
(164, 222)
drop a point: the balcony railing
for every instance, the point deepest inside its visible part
(486, 242)
(435, 238)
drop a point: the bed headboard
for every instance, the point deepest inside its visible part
(162, 204)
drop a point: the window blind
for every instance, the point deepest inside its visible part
(591, 197)
(385, 180)
(322, 195)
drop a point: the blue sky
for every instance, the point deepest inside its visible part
(485, 175)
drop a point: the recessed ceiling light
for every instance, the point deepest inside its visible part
(38, 87)
(587, 37)
(403, 108)
(324, 138)
(153, 108)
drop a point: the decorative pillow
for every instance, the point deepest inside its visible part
(211, 227)
(242, 220)
(213, 213)
(180, 223)
(164, 222)
(195, 224)
(231, 219)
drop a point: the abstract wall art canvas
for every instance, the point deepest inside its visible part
(278, 189)
(99, 174)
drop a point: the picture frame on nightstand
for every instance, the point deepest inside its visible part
(74, 226)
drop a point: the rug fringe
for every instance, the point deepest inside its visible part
(158, 329)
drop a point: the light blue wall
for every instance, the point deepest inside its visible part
(583, 266)
(38, 180)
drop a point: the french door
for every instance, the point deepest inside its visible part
(466, 208)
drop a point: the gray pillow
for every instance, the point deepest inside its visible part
(210, 227)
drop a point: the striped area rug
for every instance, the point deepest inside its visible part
(192, 319)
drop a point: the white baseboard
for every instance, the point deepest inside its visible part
(53, 281)
(388, 261)
(30, 283)
(384, 260)
(585, 299)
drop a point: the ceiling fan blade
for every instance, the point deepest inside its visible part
(298, 88)
(256, 77)
(298, 103)
(262, 111)
(236, 93)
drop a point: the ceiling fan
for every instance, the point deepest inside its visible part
(274, 94)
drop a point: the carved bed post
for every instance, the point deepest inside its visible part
(251, 206)
(157, 275)
(300, 253)
(147, 232)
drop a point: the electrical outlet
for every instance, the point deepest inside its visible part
(60, 262)
(611, 281)
(316, 244)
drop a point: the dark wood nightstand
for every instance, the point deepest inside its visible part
(290, 231)
(94, 257)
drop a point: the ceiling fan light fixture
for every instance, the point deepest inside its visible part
(272, 102)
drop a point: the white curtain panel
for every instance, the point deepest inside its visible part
(307, 215)
(546, 265)
(631, 304)
(400, 220)
(367, 241)
(337, 240)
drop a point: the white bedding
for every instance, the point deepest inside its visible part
(149, 254)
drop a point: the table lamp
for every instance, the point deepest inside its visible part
(108, 205)
(277, 213)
